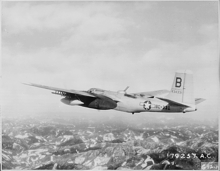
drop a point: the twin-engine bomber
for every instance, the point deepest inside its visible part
(179, 99)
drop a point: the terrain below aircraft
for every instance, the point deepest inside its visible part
(179, 99)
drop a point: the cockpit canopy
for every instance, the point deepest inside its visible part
(96, 91)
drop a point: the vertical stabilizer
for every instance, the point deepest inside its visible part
(182, 88)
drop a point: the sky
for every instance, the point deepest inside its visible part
(108, 45)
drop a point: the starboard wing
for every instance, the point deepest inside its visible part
(152, 93)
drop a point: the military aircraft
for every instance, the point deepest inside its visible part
(179, 99)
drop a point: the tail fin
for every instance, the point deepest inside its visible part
(182, 88)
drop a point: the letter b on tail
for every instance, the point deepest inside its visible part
(178, 82)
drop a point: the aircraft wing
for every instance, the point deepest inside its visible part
(82, 93)
(152, 93)
(174, 103)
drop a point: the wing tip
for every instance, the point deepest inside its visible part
(25, 83)
(29, 84)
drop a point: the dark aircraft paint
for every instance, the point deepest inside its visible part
(103, 104)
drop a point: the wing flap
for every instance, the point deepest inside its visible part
(82, 93)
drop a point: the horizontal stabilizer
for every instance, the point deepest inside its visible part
(199, 100)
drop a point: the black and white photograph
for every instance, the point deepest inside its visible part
(110, 85)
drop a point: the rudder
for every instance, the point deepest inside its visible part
(182, 88)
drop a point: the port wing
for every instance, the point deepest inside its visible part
(62, 91)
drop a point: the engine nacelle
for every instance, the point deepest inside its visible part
(103, 104)
(189, 109)
(72, 102)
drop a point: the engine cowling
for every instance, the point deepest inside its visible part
(72, 102)
(103, 104)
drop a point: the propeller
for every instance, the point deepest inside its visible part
(126, 89)
(123, 91)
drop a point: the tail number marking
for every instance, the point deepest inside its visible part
(176, 91)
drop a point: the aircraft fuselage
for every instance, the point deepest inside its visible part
(131, 104)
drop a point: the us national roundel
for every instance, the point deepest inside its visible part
(147, 105)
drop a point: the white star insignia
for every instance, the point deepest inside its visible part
(147, 105)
